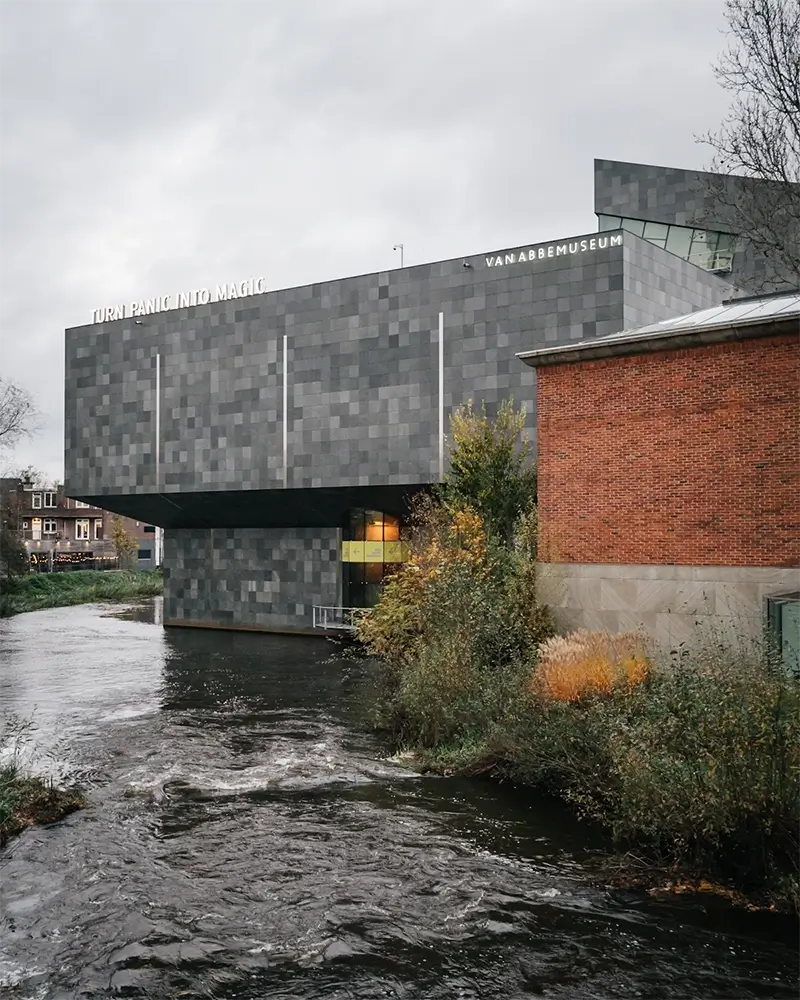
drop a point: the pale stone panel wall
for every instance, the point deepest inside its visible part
(675, 605)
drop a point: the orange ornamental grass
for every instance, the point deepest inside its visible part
(587, 663)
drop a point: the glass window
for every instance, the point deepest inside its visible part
(49, 499)
(374, 526)
(80, 503)
(25, 525)
(372, 538)
(36, 500)
(726, 242)
(656, 232)
(82, 530)
(635, 226)
(98, 529)
(145, 553)
(49, 527)
(606, 222)
(702, 250)
(356, 529)
(679, 241)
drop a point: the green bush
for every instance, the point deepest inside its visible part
(491, 470)
(700, 764)
(481, 625)
(697, 764)
(456, 622)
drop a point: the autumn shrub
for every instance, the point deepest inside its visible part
(452, 630)
(587, 663)
(457, 626)
(699, 762)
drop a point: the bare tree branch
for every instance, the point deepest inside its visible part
(18, 414)
(760, 138)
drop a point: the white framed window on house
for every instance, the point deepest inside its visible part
(24, 525)
(81, 504)
(82, 530)
(36, 529)
(98, 530)
(49, 499)
(36, 500)
(50, 526)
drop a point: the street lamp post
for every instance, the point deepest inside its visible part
(399, 246)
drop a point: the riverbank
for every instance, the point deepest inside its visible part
(26, 800)
(690, 757)
(37, 591)
(692, 771)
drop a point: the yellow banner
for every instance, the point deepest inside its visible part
(395, 552)
(374, 552)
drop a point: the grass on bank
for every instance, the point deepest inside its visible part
(26, 799)
(51, 590)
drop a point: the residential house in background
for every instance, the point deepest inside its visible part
(60, 533)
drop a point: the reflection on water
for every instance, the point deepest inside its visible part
(245, 839)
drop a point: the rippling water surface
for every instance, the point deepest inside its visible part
(246, 839)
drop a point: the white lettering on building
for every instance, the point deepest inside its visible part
(196, 297)
(554, 250)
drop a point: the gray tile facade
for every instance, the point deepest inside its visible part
(363, 399)
(688, 198)
(658, 285)
(250, 577)
(362, 358)
(362, 361)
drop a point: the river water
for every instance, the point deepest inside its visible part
(246, 838)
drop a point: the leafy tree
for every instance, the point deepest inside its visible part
(491, 471)
(760, 138)
(125, 545)
(13, 554)
(457, 626)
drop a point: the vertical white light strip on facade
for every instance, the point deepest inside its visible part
(441, 396)
(158, 422)
(285, 411)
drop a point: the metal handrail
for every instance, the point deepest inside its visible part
(332, 617)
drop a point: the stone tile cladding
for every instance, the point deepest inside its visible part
(684, 198)
(362, 359)
(676, 605)
(659, 285)
(684, 457)
(252, 577)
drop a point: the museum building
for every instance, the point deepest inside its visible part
(277, 436)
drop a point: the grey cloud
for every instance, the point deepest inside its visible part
(150, 147)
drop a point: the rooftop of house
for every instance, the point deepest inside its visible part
(742, 318)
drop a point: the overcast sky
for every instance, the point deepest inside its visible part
(151, 147)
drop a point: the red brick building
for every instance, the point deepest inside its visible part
(669, 471)
(61, 533)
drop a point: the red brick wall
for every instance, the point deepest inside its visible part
(689, 457)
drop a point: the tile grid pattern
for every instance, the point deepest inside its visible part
(250, 576)
(688, 198)
(363, 395)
